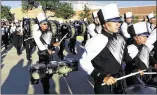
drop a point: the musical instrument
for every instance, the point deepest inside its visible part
(83, 27)
(52, 67)
(140, 89)
(54, 27)
(38, 71)
(72, 29)
(80, 26)
(67, 28)
(63, 67)
(28, 25)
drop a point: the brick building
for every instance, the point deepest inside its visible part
(139, 11)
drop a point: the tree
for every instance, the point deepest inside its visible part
(85, 13)
(135, 19)
(5, 13)
(51, 5)
(26, 6)
(65, 11)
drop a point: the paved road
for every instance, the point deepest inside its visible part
(15, 78)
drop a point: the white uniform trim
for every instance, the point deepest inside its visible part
(99, 29)
(116, 47)
(47, 37)
(124, 28)
(91, 30)
(150, 27)
(132, 50)
(92, 48)
(2, 31)
(144, 55)
(36, 36)
(151, 40)
(95, 14)
(21, 28)
(13, 28)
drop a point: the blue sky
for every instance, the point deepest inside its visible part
(14, 4)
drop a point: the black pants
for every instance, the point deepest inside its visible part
(62, 47)
(5, 41)
(85, 39)
(29, 46)
(72, 45)
(18, 49)
(17, 42)
(45, 81)
(11, 38)
(46, 84)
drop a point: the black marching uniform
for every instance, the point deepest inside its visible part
(106, 57)
(72, 42)
(18, 39)
(153, 57)
(5, 37)
(141, 52)
(64, 30)
(44, 41)
(85, 35)
(29, 42)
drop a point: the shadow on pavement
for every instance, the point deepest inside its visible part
(17, 81)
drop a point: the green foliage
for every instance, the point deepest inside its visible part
(26, 6)
(85, 13)
(5, 13)
(65, 11)
(155, 14)
(90, 19)
(135, 19)
(51, 5)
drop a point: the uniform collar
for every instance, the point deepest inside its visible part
(109, 35)
(138, 46)
(43, 32)
(129, 23)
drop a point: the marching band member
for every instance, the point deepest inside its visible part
(95, 27)
(18, 37)
(128, 18)
(104, 53)
(151, 21)
(64, 29)
(139, 33)
(44, 41)
(27, 34)
(85, 34)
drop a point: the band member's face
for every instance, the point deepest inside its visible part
(44, 26)
(129, 20)
(112, 26)
(140, 39)
(153, 21)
